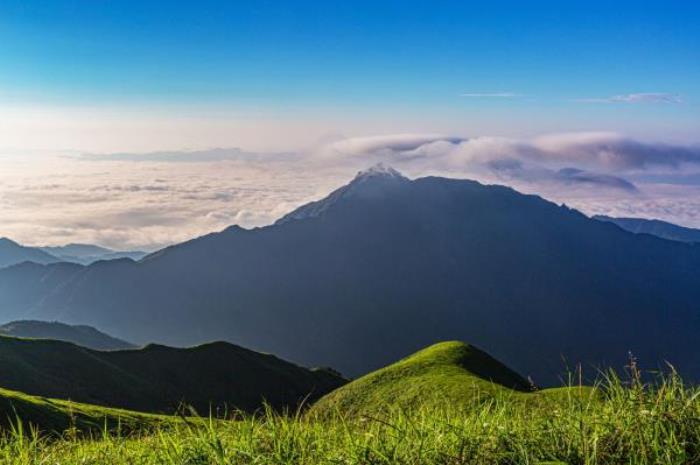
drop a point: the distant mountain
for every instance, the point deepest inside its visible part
(82, 335)
(657, 228)
(86, 254)
(386, 265)
(158, 378)
(449, 373)
(12, 253)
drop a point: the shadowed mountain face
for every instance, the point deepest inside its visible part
(12, 253)
(158, 378)
(385, 266)
(655, 228)
(82, 335)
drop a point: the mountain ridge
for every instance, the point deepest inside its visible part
(658, 228)
(159, 379)
(401, 266)
(82, 335)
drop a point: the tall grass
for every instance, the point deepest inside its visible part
(614, 422)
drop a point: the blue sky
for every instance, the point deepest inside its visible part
(408, 59)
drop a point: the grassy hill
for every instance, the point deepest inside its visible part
(159, 379)
(445, 374)
(85, 336)
(56, 415)
(618, 422)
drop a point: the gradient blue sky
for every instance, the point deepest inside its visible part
(404, 63)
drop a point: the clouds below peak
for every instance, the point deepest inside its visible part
(145, 200)
(182, 156)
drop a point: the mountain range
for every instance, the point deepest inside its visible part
(12, 253)
(86, 254)
(386, 265)
(82, 335)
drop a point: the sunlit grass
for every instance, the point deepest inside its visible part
(613, 423)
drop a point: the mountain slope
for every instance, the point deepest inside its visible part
(449, 373)
(657, 228)
(56, 415)
(385, 266)
(12, 253)
(158, 378)
(82, 335)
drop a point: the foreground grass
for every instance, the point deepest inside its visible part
(613, 423)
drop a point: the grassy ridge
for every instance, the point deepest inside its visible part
(449, 404)
(57, 416)
(619, 423)
(159, 379)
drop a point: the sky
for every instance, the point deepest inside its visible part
(135, 124)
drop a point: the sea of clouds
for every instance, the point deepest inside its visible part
(148, 200)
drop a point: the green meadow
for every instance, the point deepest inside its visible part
(439, 406)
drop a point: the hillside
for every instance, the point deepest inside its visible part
(656, 228)
(158, 378)
(82, 335)
(398, 264)
(12, 253)
(57, 416)
(447, 373)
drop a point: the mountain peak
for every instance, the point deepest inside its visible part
(373, 182)
(380, 170)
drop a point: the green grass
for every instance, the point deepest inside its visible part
(57, 416)
(449, 404)
(447, 373)
(615, 423)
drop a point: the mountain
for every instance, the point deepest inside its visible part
(657, 228)
(158, 378)
(86, 254)
(82, 335)
(386, 265)
(12, 253)
(452, 373)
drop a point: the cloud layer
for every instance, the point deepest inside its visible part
(147, 200)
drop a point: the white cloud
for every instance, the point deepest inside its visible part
(640, 97)
(384, 144)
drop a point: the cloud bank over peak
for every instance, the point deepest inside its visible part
(604, 152)
(594, 171)
(147, 200)
(387, 145)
